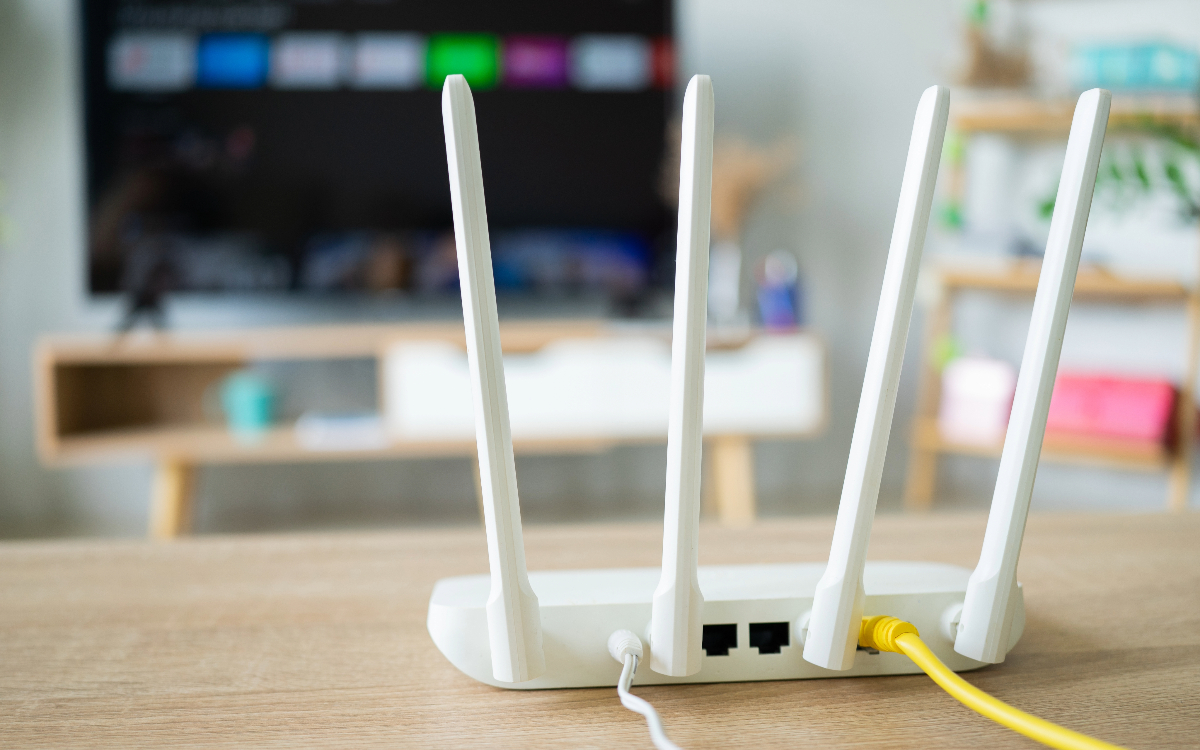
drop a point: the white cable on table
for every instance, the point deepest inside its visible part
(658, 735)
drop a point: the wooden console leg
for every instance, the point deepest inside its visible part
(171, 500)
(732, 477)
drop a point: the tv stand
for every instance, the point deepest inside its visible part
(141, 396)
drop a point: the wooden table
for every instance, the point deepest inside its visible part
(303, 641)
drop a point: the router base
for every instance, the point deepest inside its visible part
(763, 603)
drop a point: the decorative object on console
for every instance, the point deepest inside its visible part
(780, 294)
(741, 171)
(316, 431)
(248, 400)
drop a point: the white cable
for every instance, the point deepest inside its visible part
(658, 735)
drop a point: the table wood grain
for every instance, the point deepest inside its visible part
(320, 641)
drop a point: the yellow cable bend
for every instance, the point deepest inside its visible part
(1043, 731)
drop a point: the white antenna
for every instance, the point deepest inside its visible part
(676, 624)
(513, 618)
(838, 602)
(986, 620)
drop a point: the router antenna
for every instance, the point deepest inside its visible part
(676, 624)
(513, 618)
(838, 602)
(987, 615)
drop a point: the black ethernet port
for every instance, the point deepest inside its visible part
(769, 637)
(718, 639)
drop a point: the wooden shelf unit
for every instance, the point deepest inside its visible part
(142, 396)
(1023, 117)
(1093, 284)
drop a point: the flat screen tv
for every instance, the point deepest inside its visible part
(298, 146)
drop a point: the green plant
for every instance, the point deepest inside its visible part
(1123, 181)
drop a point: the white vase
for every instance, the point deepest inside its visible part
(724, 282)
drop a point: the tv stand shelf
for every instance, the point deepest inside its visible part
(214, 444)
(142, 397)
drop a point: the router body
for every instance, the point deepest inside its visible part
(752, 622)
(580, 608)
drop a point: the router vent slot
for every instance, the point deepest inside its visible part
(718, 639)
(769, 637)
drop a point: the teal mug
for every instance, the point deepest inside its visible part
(248, 400)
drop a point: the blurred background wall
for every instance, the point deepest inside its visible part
(840, 80)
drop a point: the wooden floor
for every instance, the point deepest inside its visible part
(319, 641)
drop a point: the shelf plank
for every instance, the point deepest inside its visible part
(214, 444)
(1021, 277)
(334, 341)
(1060, 448)
(309, 342)
(1019, 115)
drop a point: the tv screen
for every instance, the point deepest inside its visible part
(267, 146)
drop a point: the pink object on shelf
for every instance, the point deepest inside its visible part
(1111, 407)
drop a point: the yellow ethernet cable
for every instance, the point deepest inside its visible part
(885, 633)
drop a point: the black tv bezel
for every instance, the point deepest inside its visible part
(92, 78)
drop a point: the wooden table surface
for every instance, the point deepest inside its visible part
(319, 640)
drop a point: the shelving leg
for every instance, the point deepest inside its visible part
(921, 482)
(171, 500)
(1181, 466)
(732, 475)
(922, 479)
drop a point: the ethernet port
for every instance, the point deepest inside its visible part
(769, 637)
(718, 639)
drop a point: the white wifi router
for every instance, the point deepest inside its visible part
(750, 622)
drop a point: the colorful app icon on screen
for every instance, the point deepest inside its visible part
(611, 62)
(474, 56)
(153, 61)
(389, 61)
(664, 63)
(232, 61)
(308, 60)
(535, 62)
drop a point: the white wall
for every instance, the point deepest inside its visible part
(842, 78)
(40, 273)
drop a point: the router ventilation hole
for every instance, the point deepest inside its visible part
(718, 639)
(769, 637)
